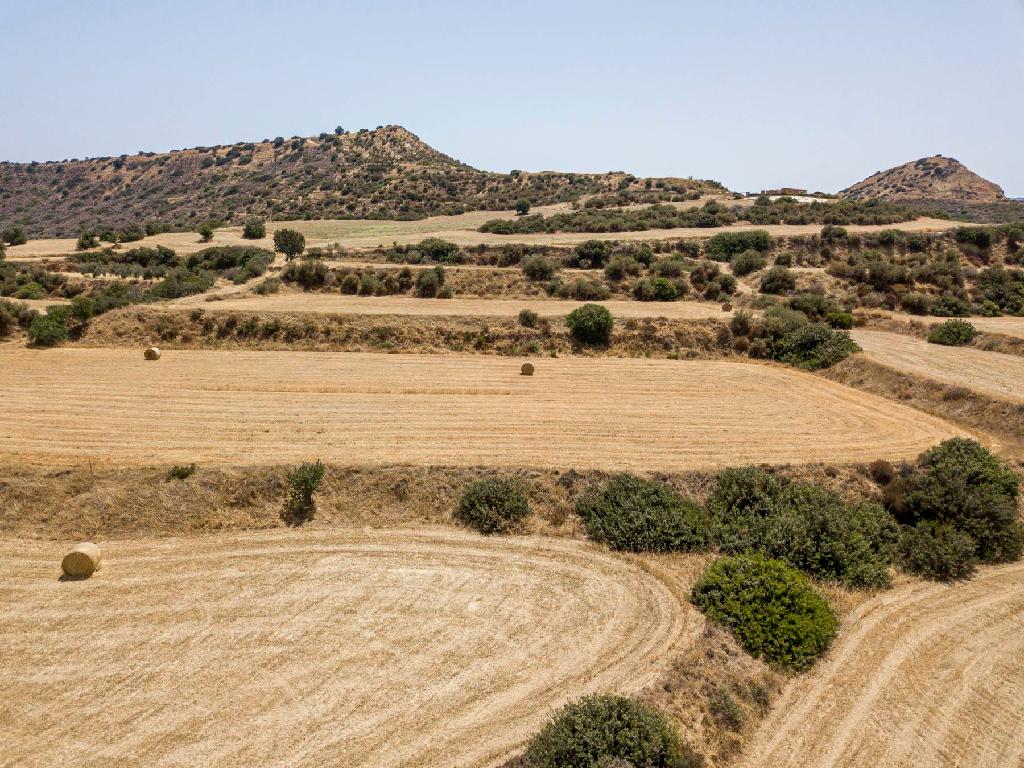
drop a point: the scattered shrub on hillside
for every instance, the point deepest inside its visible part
(809, 527)
(591, 324)
(522, 207)
(48, 330)
(15, 315)
(605, 731)
(528, 318)
(14, 235)
(31, 291)
(814, 346)
(724, 245)
(289, 242)
(937, 551)
(254, 229)
(831, 233)
(182, 282)
(87, 240)
(310, 274)
(916, 303)
(748, 261)
(539, 267)
(979, 237)
(181, 472)
(952, 333)
(303, 482)
(771, 608)
(777, 281)
(583, 289)
(493, 505)
(628, 513)
(268, 286)
(442, 251)
(962, 484)
(429, 282)
(592, 254)
(205, 231)
(621, 266)
(1003, 288)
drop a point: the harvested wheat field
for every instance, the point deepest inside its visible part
(925, 675)
(990, 373)
(336, 303)
(311, 648)
(234, 407)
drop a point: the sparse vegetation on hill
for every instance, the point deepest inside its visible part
(932, 178)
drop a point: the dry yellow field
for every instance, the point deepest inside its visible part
(337, 303)
(922, 676)
(313, 648)
(235, 407)
(990, 373)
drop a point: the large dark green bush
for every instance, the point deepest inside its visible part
(778, 280)
(87, 240)
(429, 282)
(952, 333)
(771, 608)
(310, 274)
(962, 484)
(725, 244)
(493, 505)
(48, 330)
(442, 251)
(809, 527)
(592, 253)
(937, 551)
(628, 513)
(14, 315)
(814, 346)
(603, 731)
(591, 324)
(289, 242)
(254, 229)
(205, 231)
(748, 261)
(14, 234)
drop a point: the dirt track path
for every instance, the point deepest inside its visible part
(311, 648)
(245, 408)
(925, 675)
(336, 303)
(990, 373)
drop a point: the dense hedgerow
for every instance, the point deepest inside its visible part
(309, 274)
(772, 609)
(591, 324)
(603, 731)
(493, 505)
(809, 527)
(628, 513)
(952, 333)
(724, 245)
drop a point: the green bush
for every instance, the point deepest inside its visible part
(745, 262)
(254, 229)
(30, 291)
(603, 731)
(310, 274)
(268, 286)
(493, 505)
(181, 472)
(15, 315)
(539, 268)
(592, 253)
(620, 267)
(937, 551)
(964, 485)
(429, 282)
(87, 240)
(591, 324)
(442, 251)
(303, 482)
(952, 333)
(771, 608)
(528, 318)
(814, 346)
(205, 231)
(725, 244)
(777, 281)
(289, 242)
(809, 527)
(628, 513)
(522, 207)
(14, 235)
(48, 330)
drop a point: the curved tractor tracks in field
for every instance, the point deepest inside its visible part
(923, 675)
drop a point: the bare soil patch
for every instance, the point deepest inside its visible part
(233, 407)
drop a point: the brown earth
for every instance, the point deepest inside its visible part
(923, 675)
(932, 178)
(231, 408)
(311, 648)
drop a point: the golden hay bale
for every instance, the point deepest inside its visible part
(727, 307)
(81, 560)
(152, 353)
(526, 370)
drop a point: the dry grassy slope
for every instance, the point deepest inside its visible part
(228, 408)
(311, 648)
(924, 675)
(384, 173)
(932, 178)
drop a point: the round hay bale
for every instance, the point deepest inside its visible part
(81, 560)
(152, 353)
(727, 307)
(526, 370)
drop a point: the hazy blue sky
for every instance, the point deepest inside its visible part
(755, 94)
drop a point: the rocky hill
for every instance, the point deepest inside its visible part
(930, 178)
(384, 173)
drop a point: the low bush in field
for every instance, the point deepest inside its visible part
(628, 513)
(48, 330)
(748, 261)
(952, 333)
(727, 244)
(528, 318)
(937, 551)
(254, 229)
(778, 280)
(303, 482)
(493, 505)
(604, 731)
(310, 274)
(590, 324)
(786, 335)
(772, 609)
(539, 268)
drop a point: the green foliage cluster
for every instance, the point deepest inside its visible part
(539, 267)
(777, 281)
(432, 250)
(310, 274)
(254, 229)
(747, 261)
(14, 234)
(181, 471)
(725, 245)
(591, 324)
(789, 336)
(303, 482)
(772, 609)
(15, 315)
(952, 333)
(289, 242)
(1003, 288)
(493, 505)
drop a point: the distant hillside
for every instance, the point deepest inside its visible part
(385, 173)
(930, 178)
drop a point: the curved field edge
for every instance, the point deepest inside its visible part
(926, 674)
(390, 648)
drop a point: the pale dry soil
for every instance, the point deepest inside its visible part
(461, 229)
(311, 648)
(238, 407)
(990, 373)
(338, 303)
(924, 675)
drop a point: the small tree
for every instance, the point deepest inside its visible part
(953, 333)
(289, 242)
(591, 324)
(493, 505)
(87, 240)
(522, 207)
(14, 235)
(205, 231)
(303, 482)
(254, 229)
(48, 330)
